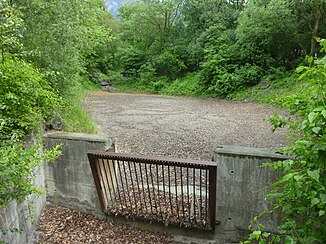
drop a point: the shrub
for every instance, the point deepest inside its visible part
(25, 99)
(300, 194)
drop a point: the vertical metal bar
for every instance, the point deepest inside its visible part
(104, 181)
(142, 183)
(158, 192)
(188, 193)
(165, 205)
(153, 187)
(149, 192)
(170, 198)
(139, 191)
(133, 188)
(200, 197)
(212, 196)
(127, 185)
(176, 192)
(117, 183)
(111, 176)
(123, 189)
(194, 193)
(182, 199)
(107, 180)
(94, 169)
(206, 194)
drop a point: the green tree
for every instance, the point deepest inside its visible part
(278, 32)
(59, 35)
(11, 25)
(147, 28)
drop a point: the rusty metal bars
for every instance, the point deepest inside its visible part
(171, 191)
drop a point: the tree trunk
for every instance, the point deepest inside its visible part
(315, 31)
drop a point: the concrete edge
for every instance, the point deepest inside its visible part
(242, 151)
(77, 136)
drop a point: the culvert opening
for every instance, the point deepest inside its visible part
(170, 191)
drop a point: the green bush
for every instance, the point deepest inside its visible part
(18, 163)
(300, 194)
(187, 86)
(225, 82)
(26, 99)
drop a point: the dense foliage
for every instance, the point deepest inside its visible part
(300, 194)
(230, 44)
(48, 51)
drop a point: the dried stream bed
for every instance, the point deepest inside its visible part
(181, 127)
(159, 126)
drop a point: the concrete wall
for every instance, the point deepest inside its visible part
(18, 216)
(242, 184)
(69, 181)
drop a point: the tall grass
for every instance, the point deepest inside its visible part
(74, 114)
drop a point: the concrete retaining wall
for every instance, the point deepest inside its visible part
(241, 188)
(69, 181)
(242, 184)
(18, 216)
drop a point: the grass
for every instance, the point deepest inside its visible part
(75, 117)
(272, 90)
(280, 88)
(185, 86)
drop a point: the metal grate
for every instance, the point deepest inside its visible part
(171, 191)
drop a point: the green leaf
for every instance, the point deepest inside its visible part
(300, 69)
(323, 198)
(321, 212)
(266, 234)
(318, 109)
(323, 113)
(287, 177)
(255, 234)
(316, 129)
(314, 174)
(312, 116)
(289, 240)
(315, 201)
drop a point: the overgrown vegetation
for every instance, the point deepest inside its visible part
(53, 52)
(48, 51)
(299, 196)
(226, 45)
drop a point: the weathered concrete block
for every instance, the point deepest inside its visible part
(242, 185)
(69, 181)
(17, 220)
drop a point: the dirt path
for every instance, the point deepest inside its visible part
(181, 127)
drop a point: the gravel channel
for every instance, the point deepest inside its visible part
(154, 125)
(181, 127)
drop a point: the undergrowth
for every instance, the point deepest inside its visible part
(74, 115)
